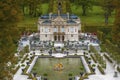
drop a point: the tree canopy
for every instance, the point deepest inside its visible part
(85, 4)
(116, 27)
(10, 14)
(65, 6)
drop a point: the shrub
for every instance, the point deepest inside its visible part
(31, 59)
(70, 74)
(91, 69)
(85, 76)
(24, 58)
(42, 54)
(34, 79)
(94, 59)
(118, 68)
(15, 70)
(25, 70)
(101, 69)
(93, 65)
(27, 59)
(23, 65)
(45, 74)
(108, 58)
(75, 54)
(30, 76)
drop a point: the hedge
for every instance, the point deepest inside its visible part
(25, 70)
(108, 58)
(90, 67)
(101, 69)
(24, 58)
(94, 59)
(15, 70)
(118, 68)
(31, 59)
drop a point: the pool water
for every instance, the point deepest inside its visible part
(47, 65)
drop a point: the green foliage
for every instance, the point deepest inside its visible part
(53, 6)
(97, 57)
(10, 14)
(118, 68)
(70, 74)
(25, 70)
(108, 7)
(94, 59)
(45, 74)
(26, 49)
(15, 70)
(24, 58)
(85, 5)
(101, 69)
(31, 7)
(108, 58)
(112, 49)
(116, 27)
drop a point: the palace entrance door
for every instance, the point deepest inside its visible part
(59, 37)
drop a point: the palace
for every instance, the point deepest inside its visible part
(59, 27)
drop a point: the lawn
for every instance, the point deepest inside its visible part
(46, 66)
(29, 23)
(94, 16)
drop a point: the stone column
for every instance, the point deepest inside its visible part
(56, 37)
(61, 38)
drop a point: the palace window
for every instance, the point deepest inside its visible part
(71, 29)
(46, 30)
(71, 35)
(55, 29)
(62, 29)
(46, 35)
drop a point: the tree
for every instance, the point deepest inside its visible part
(68, 7)
(116, 27)
(31, 7)
(108, 7)
(51, 5)
(85, 4)
(65, 6)
(10, 14)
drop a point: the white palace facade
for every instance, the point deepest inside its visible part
(62, 27)
(59, 27)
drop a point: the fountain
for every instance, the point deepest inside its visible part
(58, 67)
